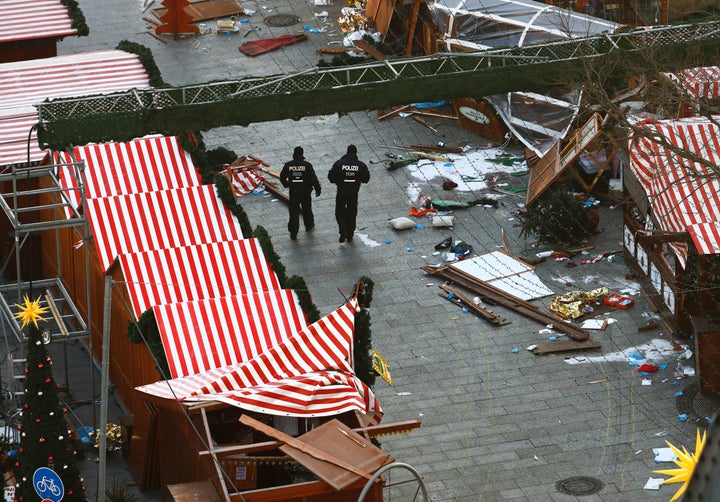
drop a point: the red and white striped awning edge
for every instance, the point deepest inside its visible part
(309, 374)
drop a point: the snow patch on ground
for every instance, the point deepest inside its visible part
(655, 350)
(471, 171)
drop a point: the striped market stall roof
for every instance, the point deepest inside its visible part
(700, 83)
(33, 19)
(25, 83)
(684, 194)
(308, 375)
(142, 165)
(159, 220)
(207, 334)
(196, 272)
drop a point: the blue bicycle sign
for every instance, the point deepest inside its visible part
(48, 484)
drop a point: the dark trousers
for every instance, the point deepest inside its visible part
(300, 203)
(346, 207)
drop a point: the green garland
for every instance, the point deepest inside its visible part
(146, 59)
(146, 330)
(297, 284)
(362, 345)
(270, 255)
(77, 18)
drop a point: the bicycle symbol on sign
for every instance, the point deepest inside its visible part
(46, 484)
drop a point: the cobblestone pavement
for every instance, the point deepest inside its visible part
(497, 424)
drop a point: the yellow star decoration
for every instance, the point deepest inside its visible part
(686, 463)
(31, 312)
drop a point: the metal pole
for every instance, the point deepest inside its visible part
(104, 383)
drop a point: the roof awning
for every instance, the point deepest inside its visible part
(684, 194)
(309, 374)
(205, 334)
(159, 220)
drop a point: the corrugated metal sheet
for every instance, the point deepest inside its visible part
(159, 220)
(142, 165)
(307, 375)
(700, 83)
(206, 334)
(199, 271)
(683, 193)
(25, 83)
(32, 19)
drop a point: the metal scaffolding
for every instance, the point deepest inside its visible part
(23, 192)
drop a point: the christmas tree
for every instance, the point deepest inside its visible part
(45, 468)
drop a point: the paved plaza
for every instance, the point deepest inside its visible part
(499, 423)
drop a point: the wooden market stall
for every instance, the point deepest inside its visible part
(672, 231)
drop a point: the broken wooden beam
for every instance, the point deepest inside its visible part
(506, 300)
(565, 346)
(455, 296)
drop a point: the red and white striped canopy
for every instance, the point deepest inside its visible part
(684, 194)
(141, 165)
(159, 220)
(195, 272)
(26, 83)
(245, 181)
(207, 334)
(309, 374)
(700, 83)
(32, 19)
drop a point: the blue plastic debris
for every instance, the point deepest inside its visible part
(244, 20)
(448, 164)
(662, 367)
(465, 310)
(553, 339)
(451, 295)
(419, 225)
(515, 350)
(636, 356)
(312, 30)
(410, 250)
(388, 241)
(682, 417)
(679, 393)
(676, 383)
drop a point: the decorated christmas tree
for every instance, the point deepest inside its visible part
(45, 468)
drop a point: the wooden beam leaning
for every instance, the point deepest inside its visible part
(522, 307)
(463, 300)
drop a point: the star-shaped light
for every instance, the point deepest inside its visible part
(686, 463)
(31, 312)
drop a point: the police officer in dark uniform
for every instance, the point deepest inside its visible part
(299, 175)
(348, 173)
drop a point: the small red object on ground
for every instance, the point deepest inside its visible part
(619, 301)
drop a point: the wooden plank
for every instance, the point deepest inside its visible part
(565, 346)
(376, 54)
(302, 446)
(506, 300)
(463, 300)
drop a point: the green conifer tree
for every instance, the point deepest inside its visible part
(45, 440)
